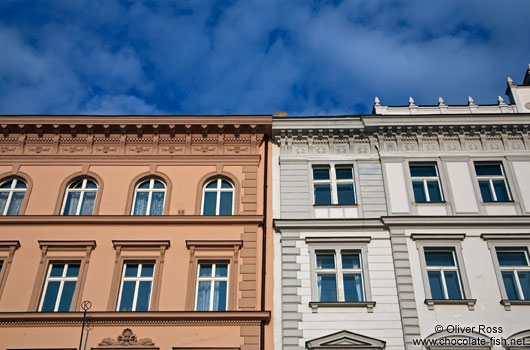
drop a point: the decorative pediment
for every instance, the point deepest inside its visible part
(127, 339)
(345, 340)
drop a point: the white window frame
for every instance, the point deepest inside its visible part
(11, 191)
(339, 271)
(425, 179)
(82, 192)
(150, 192)
(333, 182)
(514, 269)
(490, 179)
(212, 279)
(137, 279)
(63, 278)
(218, 191)
(442, 269)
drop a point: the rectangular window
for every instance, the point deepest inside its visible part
(492, 182)
(443, 274)
(333, 184)
(339, 276)
(136, 286)
(425, 183)
(212, 286)
(515, 271)
(59, 287)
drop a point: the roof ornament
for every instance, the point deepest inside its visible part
(510, 81)
(377, 102)
(470, 101)
(501, 100)
(411, 101)
(441, 101)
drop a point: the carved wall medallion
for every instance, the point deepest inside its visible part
(430, 146)
(204, 149)
(139, 149)
(494, 145)
(127, 338)
(39, 149)
(300, 149)
(7, 149)
(172, 149)
(237, 149)
(72, 149)
(106, 149)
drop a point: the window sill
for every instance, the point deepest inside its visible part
(335, 205)
(369, 305)
(508, 303)
(498, 202)
(469, 302)
(431, 202)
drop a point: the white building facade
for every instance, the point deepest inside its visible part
(408, 225)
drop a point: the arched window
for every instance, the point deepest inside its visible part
(12, 193)
(80, 197)
(149, 197)
(218, 197)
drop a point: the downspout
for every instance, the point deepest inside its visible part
(264, 239)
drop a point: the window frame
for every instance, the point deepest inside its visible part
(82, 192)
(150, 192)
(490, 178)
(7, 252)
(137, 279)
(212, 279)
(443, 242)
(11, 191)
(62, 279)
(62, 251)
(333, 182)
(340, 244)
(442, 269)
(425, 179)
(218, 190)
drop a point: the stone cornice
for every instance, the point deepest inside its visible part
(450, 221)
(133, 318)
(130, 220)
(323, 224)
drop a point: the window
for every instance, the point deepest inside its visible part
(339, 276)
(12, 193)
(149, 197)
(492, 182)
(514, 265)
(333, 184)
(7, 251)
(59, 288)
(212, 286)
(443, 274)
(136, 286)
(80, 197)
(218, 197)
(425, 183)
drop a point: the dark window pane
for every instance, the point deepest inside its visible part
(434, 191)
(322, 194)
(7, 184)
(91, 184)
(225, 184)
(67, 295)
(423, 170)
(500, 190)
(419, 191)
(345, 194)
(485, 190)
(320, 173)
(226, 203)
(353, 287)
(158, 184)
(509, 285)
(145, 184)
(219, 296)
(157, 203)
(20, 184)
(1, 265)
(488, 169)
(73, 270)
(212, 184)
(210, 199)
(452, 284)
(87, 207)
(203, 296)
(16, 203)
(57, 270)
(3, 201)
(144, 293)
(351, 261)
(127, 296)
(325, 261)
(131, 270)
(435, 282)
(205, 270)
(435, 258)
(50, 297)
(70, 208)
(221, 270)
(524, 280)
(344, 173)
(140, 205)
(78, 184)
(327, 287)
(147, 270)
(512, 258)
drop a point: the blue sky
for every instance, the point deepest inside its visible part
(304, 57)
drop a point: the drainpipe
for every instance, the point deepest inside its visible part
(264, 240)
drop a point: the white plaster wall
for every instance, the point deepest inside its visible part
(522, 177)
(500, 209)
(462, 189)
(396, 186)
(431, 209)
(336, 213)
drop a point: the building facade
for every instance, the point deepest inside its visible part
(160, 223)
